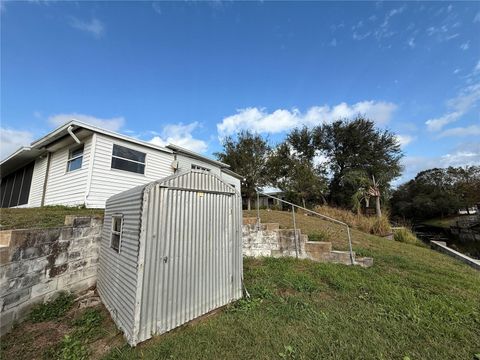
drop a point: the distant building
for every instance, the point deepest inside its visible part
(266, 202)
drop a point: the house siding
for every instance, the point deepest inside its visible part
(231, 180)
(67, 188)
(106, 181)
(38, 179)
(185, 163)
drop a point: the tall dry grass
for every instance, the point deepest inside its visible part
(369, 224)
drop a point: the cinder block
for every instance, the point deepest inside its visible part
(44, 288)
(7, 319)
(16, 298)
(5, 236)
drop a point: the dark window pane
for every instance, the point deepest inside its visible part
(17, 184)
(115, 242)
(127, 165)
(117, 221)
(2, 190)
(75, 164)
(27, 183)
(8, 190)
(128, 153)
(76, 152)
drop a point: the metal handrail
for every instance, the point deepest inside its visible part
(310, 211)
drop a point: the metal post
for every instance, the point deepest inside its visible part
(350, 245)
(258, 211)
(295, 231)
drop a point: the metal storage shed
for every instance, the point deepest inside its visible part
(171, 251)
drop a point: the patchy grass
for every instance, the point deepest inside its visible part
(42, 217)
(74, 334)
(52, 310)
(406, 235)
(414, 302)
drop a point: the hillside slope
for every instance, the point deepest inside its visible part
(413, 302)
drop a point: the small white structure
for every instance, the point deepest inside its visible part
(80, 164)
(171, 251)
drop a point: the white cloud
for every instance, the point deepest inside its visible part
(404, 140)
(463, 155)
(258, 120)
(411, 43)
(477, 17)
(456, 71)
(333, 42)
(465, 46)
(472, 130)
(181, 135)
(156, 7)
(94, 26)
(113, 124)
(459, 106)
(11, 140)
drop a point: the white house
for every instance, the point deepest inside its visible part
(81, 164)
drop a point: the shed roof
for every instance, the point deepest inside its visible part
(195, 180)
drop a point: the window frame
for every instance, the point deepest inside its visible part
(199, 167)
(129, 160)
(70, 159)
(114, 232)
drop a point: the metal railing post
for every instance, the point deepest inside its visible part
(350, 245)
(352, 259)
(258, 211)
(295, 231)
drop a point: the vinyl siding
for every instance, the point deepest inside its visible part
(231, 180)
(67, 188)
(185, 164)
(38, 179)
(106, 181)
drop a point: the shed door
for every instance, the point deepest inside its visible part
(196, 245)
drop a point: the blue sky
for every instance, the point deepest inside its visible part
(192, 72)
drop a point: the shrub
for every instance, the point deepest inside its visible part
(405, 235)
(317, 236)
(371, 225)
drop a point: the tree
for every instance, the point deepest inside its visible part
(247, 155)
(357, 146)
(437, 192)
(294, 172)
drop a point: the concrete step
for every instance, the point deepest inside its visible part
(249, 220)
(364, 261)
(270, 226)
(318, 247)
(342, 257)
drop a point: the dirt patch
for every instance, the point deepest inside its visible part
(32, 341)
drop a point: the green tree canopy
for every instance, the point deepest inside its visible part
(437, 192)
(247, 155)
(357, 146)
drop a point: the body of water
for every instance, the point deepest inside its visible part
(428, 233)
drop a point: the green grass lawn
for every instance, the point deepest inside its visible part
(413, 302)
(42, 217)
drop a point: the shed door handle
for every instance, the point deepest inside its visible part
(165, 259)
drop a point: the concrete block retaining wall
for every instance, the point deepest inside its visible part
(36, 264)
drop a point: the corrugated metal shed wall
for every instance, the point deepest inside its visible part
(117, 273)
(189, 253)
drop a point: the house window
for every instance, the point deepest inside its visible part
(127, 159)
(75, 158)
(116, 236)
(198, 167)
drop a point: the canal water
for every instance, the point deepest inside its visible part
(428, 233)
